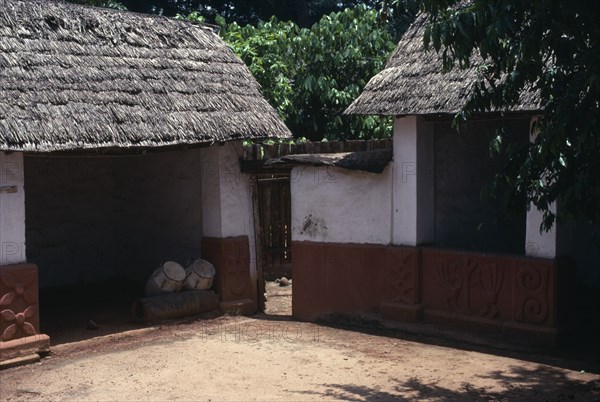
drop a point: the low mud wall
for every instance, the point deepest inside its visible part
(518, 297)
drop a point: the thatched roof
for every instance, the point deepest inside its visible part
(75, 77)
(412, 83)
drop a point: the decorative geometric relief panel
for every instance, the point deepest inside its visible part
(19, 316)
(485, 282)
(402, 275)
(467, 283)
(532, 292)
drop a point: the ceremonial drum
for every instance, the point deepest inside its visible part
(167, 278)
(199, 275)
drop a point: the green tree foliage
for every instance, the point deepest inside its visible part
(553, 49)
(302, 12)
(398, 14)
(311, 75)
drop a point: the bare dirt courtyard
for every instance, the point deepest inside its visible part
(271, 357)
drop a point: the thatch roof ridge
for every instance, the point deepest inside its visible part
(413, 83)
(79, 77)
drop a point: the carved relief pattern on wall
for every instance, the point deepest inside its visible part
(487, 278)
(451, 278)
(403, 277)
(18, 303)
(17, 322)
(471, 285)
(531, 294)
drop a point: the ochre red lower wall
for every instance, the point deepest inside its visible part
(513, 295)
(330, 278)
(19, 312)
(233, 283)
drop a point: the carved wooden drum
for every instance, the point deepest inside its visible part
(199, 275)
(167, 278)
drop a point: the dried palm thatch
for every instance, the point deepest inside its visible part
(413, 83)
(75, 77)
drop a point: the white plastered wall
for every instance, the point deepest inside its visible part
(335, 205)
(12, 209)
(227, 197)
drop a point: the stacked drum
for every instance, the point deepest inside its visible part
(171, 277)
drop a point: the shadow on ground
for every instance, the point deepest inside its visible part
(580, 351)
(577, 356)
(540, 384)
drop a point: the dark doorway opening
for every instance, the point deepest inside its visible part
(273, 235)
(79, 312)
(98, 226)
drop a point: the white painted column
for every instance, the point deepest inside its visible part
(413, 183)
(540, 244)
(12, 209)
(226, 196)
(553, 243)
(211, 192)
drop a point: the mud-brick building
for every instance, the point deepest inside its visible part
(120, 137)
(417, 242)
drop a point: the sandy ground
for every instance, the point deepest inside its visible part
(271, 357)
(279, 299)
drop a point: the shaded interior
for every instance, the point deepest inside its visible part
(97, 227)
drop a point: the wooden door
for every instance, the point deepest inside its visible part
(273, 232)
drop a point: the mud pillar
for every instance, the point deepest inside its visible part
(12, 209)
(557, 242)
(413, 183)
(228, 227)
(19, 307)
(553, 247)
(412, 217)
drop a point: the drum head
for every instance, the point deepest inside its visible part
(174, 271)
(203, 268)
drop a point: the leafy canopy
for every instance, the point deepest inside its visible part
(302, 12)
(311, 75)
(553, 49)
